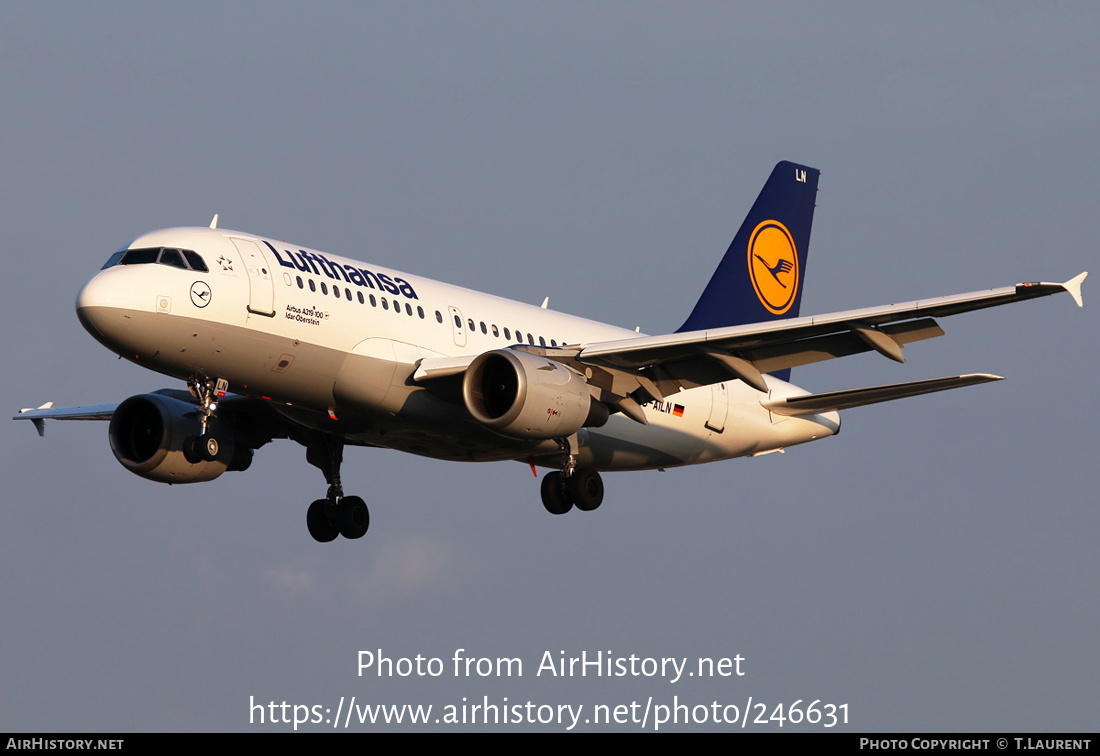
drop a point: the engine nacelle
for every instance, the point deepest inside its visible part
(147, 434)
(520, 395)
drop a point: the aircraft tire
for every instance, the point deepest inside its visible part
(192, 449)
(354, 517)
(554, 497)
(210, 447)
(586, 489)
(320, 527)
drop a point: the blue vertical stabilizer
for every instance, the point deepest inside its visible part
(762, 274)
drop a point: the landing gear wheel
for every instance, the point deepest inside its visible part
(586, 489)
(210, 448)
(554, 497)
(354, 517)
(317, 520)
(192, 449)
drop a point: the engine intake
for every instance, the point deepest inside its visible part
(520, 395)
(147, 434)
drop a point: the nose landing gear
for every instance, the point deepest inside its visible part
(204, 447)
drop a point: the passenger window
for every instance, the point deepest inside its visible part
(373, 303)
(324, 288)
(471, 322)
(507, 334)
(530, 339)
(347, 293)
(483, 328)
(438, 316)
(300, 284)
(542, 341)
(420, 312)
(495, 331)
(360, 295)
(408, 309)
(458, 322)
(312, 286)
(385, 304)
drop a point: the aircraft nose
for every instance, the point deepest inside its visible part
(92, 304)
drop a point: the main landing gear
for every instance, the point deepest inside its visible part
(571, 486)
(583, 489)
(335, 514)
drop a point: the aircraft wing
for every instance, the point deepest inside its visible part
(47, 411)
(272, 424)
(667, 364)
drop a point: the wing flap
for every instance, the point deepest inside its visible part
(818, 348)
(702, 368)
(813, 404)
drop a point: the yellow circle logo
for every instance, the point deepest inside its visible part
(773, 266)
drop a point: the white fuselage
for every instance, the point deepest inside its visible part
(333, 344)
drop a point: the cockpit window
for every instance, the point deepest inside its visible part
(140, 256)
(184, 259)
(172, 257)
(113, 259)
(195, 261)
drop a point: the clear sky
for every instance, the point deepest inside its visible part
(934, 566)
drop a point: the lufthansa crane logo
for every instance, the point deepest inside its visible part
(773, 266)
(200, 294)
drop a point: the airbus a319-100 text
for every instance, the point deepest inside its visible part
(279, 341)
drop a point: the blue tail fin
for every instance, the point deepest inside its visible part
(761, 276)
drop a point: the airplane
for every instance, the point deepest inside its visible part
(281, 341)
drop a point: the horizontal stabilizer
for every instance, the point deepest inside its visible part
(813, 404)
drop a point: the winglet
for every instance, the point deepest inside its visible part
(39, 423)
(214, 223)
(1073, 286)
